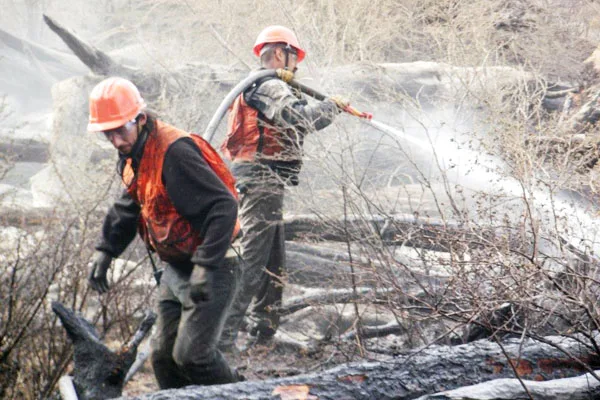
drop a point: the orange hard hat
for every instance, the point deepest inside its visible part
(278, 34)
(113, 102)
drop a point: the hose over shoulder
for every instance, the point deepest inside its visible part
(209, 133)
(246, 83)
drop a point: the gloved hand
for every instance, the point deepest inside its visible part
(285, 75)
(340, 101)
(200, 284)
(98, 268)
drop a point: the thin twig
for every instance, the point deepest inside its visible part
(513, 367)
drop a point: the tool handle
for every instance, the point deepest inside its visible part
(320, 96)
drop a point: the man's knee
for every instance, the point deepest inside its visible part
(201, 354)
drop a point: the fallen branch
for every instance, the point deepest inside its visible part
(409, 231)
(369, 332)
(317, 267)
(96, 60)
(312, 271)
(332, 296)
(553, 94)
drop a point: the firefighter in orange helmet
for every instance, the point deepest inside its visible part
(266, 129)
(181, 198)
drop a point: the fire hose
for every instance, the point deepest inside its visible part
(249, 81)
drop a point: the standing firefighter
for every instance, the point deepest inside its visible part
(266, 129)
(180, 197)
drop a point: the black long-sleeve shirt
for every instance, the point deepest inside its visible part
(197, 194)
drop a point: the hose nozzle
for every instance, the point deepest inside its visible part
(353, 111)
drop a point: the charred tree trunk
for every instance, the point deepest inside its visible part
(43, 54)
(312, 267)
(99, 373)
(583, 387)
(398, 230)
(102, 64)
(407, 377)
(151, 85)
(96, 60)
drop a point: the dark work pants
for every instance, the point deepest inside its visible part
(184, 348)
(263, 260)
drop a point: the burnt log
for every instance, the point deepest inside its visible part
(102, 64)
(151, 84)
(312, 271)
(96, 60)
(99, 373)
(427, 371)
(332, 296)
(583, 387)
(558, 98)
(370, 332)
(429, 234)
(315, 267)
(60, 64)
(27, 218)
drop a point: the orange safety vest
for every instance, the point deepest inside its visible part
(161, 227)
(245, 138)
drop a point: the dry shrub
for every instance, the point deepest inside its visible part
(551, 37)
(523, 260)
(510, 253)
(46, 260)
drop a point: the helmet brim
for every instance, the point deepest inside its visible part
(95, 127)
(116, 123)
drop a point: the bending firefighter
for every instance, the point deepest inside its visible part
(181, 198)
(266, 129)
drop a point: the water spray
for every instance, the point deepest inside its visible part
(578, 222)
(451, 153)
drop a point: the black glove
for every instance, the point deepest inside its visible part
(200, 284)
(98, 269)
